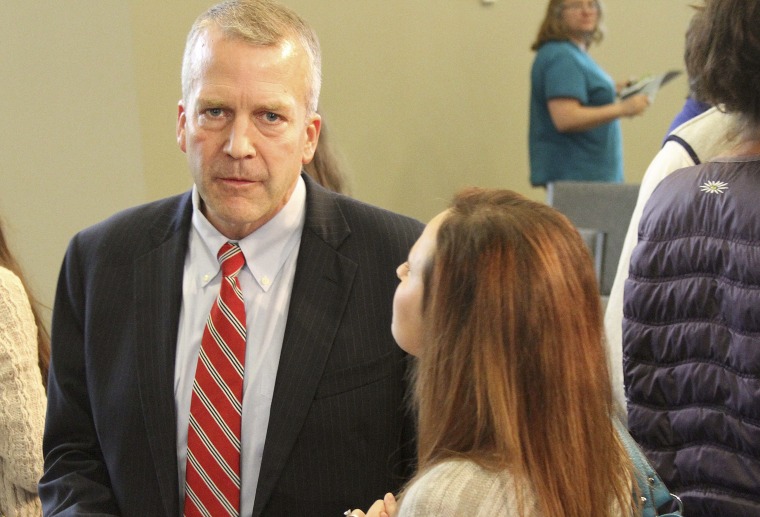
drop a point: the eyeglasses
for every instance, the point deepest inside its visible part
(577, 6)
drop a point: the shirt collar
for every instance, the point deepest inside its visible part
(266, 249)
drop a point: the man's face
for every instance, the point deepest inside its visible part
(245, 128)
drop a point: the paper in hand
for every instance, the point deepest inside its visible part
(649, 85)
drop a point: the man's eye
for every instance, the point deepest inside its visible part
(215, 112)
(271, 117)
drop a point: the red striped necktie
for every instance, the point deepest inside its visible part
(212, 480)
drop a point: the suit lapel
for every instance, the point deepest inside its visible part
(158, 297)
(321, 289)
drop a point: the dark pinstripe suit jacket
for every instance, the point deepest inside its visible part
(338, 433)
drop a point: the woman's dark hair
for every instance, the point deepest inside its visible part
(724, 56)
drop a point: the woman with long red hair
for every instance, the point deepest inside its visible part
(499, 303)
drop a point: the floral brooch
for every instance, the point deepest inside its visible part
(714, 187)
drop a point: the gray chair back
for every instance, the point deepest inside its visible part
(594, 240)
(604, 207)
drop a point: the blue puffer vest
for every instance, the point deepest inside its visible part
(691, 337)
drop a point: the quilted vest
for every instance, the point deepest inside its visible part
(691, 336)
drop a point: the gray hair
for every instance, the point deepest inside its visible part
(258, 22)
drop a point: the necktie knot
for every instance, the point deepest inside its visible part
(231, 258)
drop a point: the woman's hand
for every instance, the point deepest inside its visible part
(634, 105)
(386, 507)
(622, 85)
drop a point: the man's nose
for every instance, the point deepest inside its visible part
(240, 140)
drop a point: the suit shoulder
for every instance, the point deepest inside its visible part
(129, 231)
(366, 217)
(137, 218)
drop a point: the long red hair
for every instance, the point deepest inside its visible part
(514, 374)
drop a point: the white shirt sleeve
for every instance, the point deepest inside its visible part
(670, 158)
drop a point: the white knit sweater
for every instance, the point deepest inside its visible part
(22, 402)
(456, 488)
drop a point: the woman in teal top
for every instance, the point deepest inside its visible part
(574, 112)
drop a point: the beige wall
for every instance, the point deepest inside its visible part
(422, 97)
(70, 148)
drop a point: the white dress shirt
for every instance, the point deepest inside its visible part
(266, 281)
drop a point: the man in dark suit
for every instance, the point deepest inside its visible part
(323, 421)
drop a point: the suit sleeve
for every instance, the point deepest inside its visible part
(75, 480)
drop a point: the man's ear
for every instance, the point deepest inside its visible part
(312, 137)
(181, 122)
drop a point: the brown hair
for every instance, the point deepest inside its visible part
(553, 27)
(43, 338)
(262, 23)
(326, 167)
(514, 374)
(724, 57)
